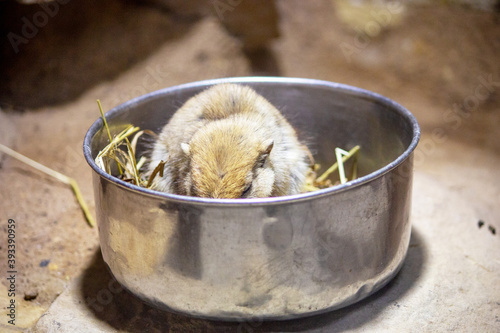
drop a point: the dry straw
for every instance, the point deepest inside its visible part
(314, 183)
(122, 151)
(59, 176)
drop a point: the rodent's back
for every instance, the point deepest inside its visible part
(237, 109)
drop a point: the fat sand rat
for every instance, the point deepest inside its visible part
(229, 142)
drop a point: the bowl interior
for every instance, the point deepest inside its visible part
(325, 116)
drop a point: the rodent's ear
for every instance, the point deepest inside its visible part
(185, 148)
(267, 146)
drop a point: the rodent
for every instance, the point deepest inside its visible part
(229, 142)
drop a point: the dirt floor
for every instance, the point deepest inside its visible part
(441, 62)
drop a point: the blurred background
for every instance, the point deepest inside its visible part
(439, 59)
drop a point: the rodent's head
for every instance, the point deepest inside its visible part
(229, 159)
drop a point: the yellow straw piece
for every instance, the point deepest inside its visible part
(336, 164)
(339, 153)
(107, 129)
(56, 175)
(104, 119)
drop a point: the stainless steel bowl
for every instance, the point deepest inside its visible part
(268, 258)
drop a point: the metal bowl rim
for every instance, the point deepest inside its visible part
(407, 115)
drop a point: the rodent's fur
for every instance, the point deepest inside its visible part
(229, 142)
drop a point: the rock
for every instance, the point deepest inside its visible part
(30, 295)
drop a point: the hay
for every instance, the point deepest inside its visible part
(59, 176)
(314, 183)
(122, 151)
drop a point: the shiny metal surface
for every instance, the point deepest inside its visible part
(268, 258)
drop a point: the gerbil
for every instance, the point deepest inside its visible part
(229, 142)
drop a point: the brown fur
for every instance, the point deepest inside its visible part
(226, 140)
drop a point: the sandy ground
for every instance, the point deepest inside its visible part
(440, 62)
